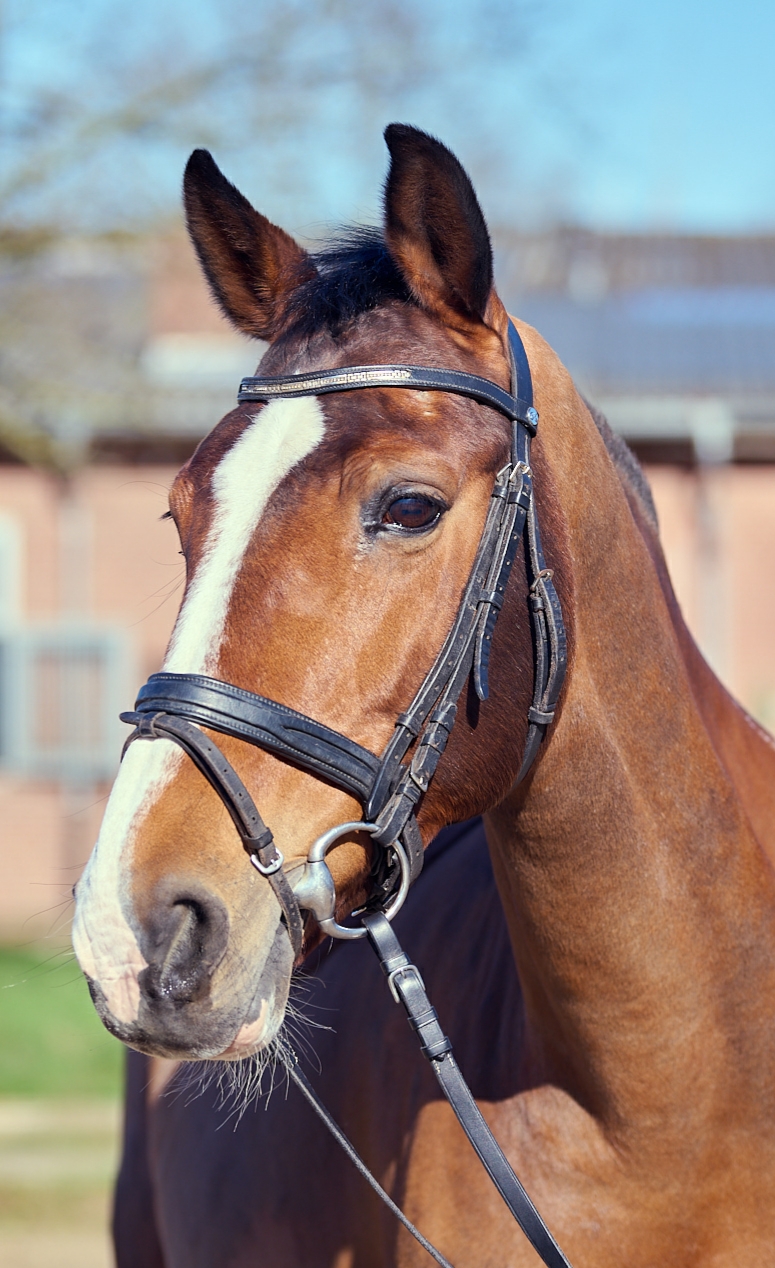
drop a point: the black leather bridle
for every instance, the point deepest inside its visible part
(176, 706)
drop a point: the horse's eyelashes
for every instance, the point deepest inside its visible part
(412, 511)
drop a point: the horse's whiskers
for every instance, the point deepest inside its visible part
(240, 1084)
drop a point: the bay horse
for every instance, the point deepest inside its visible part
(607, 971)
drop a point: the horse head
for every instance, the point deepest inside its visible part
(327, 542)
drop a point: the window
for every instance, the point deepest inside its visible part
(10, 571)
(61, 690)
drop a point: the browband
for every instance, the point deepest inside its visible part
(424, 378)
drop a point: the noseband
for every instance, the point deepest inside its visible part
(176, 706)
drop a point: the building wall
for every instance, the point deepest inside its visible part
(95, 549)
(718, 531)
(92, 550)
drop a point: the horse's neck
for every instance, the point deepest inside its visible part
(640, 902)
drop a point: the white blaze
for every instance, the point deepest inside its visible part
(103, 940)
(282, 434)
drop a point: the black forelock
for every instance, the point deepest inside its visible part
(355, 274)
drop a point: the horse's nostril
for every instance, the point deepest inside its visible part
(189, 936)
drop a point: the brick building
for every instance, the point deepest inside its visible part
(114, 363)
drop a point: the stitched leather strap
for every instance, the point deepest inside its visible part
(424, 378)
(550, 643)
(407, 987)
(502, 564)
(436, 698)
(521, 378)
(272, 726)
(467, 646)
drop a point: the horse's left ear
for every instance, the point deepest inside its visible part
(435, 229)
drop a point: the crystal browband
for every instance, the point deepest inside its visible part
(423, 378)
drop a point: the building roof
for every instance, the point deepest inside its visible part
(115, 349)
(672, 336)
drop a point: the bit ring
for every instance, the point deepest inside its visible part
(315, 891)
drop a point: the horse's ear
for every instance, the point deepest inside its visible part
(252, 265)
(434, 226)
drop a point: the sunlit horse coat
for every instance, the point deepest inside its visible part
(627, 1065)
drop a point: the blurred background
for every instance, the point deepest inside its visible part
(624, 158)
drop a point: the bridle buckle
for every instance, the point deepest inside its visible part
(403, 970)
(268, 869)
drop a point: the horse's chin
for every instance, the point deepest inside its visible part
(251, 1037)
(209, 1033)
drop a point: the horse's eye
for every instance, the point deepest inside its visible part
(412, 511)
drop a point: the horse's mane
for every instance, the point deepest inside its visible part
(628, 468)
(355, 274)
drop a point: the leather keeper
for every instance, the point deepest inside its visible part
(262, 844)
(540, 719)
(494, 598)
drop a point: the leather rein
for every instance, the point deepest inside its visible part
(176, 706)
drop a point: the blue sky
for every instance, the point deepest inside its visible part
(655, 114)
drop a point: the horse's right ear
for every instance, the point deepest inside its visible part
(252, 265)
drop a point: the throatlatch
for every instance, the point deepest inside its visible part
(176, 707)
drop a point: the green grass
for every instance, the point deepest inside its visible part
(52, 1044)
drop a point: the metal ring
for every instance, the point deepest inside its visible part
(320, 847)
(316, 857)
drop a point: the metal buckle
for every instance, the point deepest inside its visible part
(411, 969)
(270, 868)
